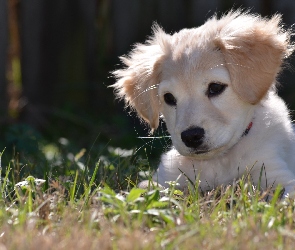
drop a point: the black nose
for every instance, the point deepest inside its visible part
(193, 137)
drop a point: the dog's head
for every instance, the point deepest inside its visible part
(205, 81)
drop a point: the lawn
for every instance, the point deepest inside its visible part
(64, 198)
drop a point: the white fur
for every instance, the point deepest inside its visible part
(244, 52)
(270, 142)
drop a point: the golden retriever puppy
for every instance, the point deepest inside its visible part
(215, 87)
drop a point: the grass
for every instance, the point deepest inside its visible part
(84, 201)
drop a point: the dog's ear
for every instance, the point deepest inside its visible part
(138, 83)
(254, 49)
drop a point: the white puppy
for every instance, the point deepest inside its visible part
(215, 87)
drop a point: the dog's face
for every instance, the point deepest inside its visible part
(203, 114)
(205, 81)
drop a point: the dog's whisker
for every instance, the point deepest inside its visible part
(154, 137)
(142, 138)
(166, 142)
(152, 87)
(146, 143)
(161, 137)
(235, 64)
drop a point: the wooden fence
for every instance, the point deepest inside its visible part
(56, 54)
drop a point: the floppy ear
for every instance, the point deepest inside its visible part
(254, 49)
(138, 83)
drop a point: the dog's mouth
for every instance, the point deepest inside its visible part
(199, 151)
(204, 152)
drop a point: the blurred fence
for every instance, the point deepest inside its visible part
(56, 55)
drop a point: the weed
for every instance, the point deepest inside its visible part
(81, 201)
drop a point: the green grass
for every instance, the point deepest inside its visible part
(89, 200)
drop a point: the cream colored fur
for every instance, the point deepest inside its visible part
(243, 51)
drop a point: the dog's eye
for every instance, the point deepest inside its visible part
(215, 89)
(170, 99)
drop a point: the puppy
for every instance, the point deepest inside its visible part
(215, 87)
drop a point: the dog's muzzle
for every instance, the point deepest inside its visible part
(193, 137)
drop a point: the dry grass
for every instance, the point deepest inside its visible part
(82, 211)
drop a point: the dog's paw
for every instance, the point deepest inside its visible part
(147, 184)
